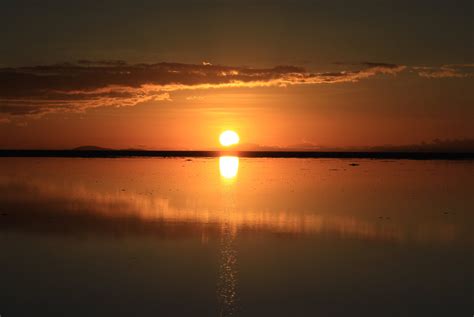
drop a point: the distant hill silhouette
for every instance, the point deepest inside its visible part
(99, 148)
(421, 155)
(457, 149)
(91, 148)
(437, 145)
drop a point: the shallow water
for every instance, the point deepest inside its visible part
(235, 237)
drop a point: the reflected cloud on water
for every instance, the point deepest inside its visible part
(197, 204)
(221, 221)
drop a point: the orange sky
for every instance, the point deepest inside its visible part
(386, 109)
(314, 75)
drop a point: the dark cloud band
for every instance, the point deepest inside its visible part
(75, 87)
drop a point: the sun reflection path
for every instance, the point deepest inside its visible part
(229, 166)
(228, 273)
(227, 285)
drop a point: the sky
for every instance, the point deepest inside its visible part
(283, 74)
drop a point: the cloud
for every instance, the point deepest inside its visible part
(76, 87)
(368, 64)
(101, 63)
(446, 71)
(195, 98)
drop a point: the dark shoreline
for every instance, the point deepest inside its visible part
(257, 154)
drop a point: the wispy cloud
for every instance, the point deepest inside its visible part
(76, 87)
(195, 98)
(446, 71)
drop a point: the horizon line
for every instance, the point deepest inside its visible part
(108, 153)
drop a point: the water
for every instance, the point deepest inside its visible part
(235, 237)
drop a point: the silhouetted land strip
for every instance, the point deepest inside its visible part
(262, 154)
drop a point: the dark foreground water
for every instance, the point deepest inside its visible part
(235, 237)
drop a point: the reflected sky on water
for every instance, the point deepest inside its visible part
(229, 237)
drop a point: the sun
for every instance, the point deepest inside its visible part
(228, 138)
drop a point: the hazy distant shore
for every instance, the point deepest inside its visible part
(257, 154)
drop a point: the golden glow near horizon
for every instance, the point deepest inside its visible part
(228, 138)
(229, 166)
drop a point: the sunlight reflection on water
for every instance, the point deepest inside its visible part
(271, 195)
(229, 166)
(288, 231)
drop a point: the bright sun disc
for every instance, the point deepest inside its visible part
(228, 138)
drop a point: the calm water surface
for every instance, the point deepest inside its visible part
(235, 237)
